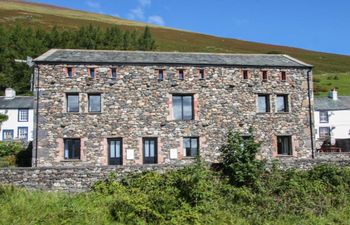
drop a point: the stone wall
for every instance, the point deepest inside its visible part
(78, 179)
(138, 105)
(70, 179)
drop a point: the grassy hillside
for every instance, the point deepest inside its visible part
(12, 12)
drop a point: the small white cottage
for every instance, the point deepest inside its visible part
(332, 122)
(19, 110)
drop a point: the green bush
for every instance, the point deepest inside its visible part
(193, 195)
(239, 159)
(9, 148)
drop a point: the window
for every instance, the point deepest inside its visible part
(284, 145)
(324, 117)
(7, 135)
(69, 72)
(282, 103)
(114, 73)
(23, 115)
(23, 133)
(283, 76)
(94, 102)
(115, 151)
(72, 102)
(150, 150)
(325, 132)
(263, 103)
(245, 74)
(183, 107)
(72, 148)
(201, 74)
(264, 76)
(160, 74)
(92, 72)
(190, 146)
(181, 74)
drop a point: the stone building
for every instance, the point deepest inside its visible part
(126, 108)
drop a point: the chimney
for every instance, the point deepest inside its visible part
(10, 93)
(333, 94)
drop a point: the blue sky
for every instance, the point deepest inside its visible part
(321, 25)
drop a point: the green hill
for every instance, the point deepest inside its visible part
(331, 70)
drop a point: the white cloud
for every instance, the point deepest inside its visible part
(138, 12)
(93, 4)
(156, 20)
(145, 2)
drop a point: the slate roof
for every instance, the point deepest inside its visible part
(327, 103)
(141, 57)
(19, 102)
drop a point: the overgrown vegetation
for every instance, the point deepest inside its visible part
(15, 154)
(195, 195)
(19, 42)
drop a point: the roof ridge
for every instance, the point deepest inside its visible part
(163, 52)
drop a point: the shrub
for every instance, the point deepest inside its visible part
(9, 148)
(239, 159)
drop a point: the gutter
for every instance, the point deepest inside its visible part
(37, 118)
(310, 114)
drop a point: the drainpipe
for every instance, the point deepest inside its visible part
(310, 114)
(37, 118)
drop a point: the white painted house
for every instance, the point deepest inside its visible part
(19, 110)
(332, 121)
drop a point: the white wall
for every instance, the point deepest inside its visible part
(13, 124)
(338, 122)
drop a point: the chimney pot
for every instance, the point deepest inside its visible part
(10, 93)
(333, 94)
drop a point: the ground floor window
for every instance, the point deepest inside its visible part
(7, 135)
(284, 145)
(23, 133)
(115, 151)
(72, 148)
(150, 151)
(325, 132)
(191, 146)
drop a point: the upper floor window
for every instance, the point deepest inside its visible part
(160, 74)
(263, 103)
(324, 117)
(92, 72)
(94, 102)
(181, 74)
(183, 107)
(282, 103)
(284, 145)
(283, 76)
(23, 115)
(190, 146)
(7, 135)
(73, 102)
(264, 76)
(245, 74)
(201, 74)
(23, 133)
(69, 72)
(72, 148)
(114, 73)
(325, 132)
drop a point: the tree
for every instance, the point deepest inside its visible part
(147, 42)
(239, 159)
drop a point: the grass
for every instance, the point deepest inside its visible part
(193, 195)
(168, 39)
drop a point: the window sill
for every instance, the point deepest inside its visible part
(71, 160)
(282, 112)
(189, 157)
(285, 156)
(263, 113)
(94, 113)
